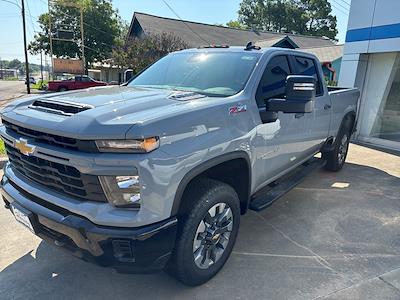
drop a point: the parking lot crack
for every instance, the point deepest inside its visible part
(323, 262)
(388, 283)
(360, 283)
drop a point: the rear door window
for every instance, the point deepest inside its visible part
(307, 66)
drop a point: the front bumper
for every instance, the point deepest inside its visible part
(129, 250)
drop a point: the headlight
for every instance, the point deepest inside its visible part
(129, 146)
(122, 191)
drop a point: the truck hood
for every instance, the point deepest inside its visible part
(109, 111)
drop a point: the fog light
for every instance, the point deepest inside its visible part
(122, 191)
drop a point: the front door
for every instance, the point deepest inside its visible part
(280, 144)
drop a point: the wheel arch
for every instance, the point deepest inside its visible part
(348, 117)
(236, 161)
(62, 87)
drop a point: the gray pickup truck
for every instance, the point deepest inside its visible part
(155, 174)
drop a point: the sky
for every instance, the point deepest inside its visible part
(205, 11)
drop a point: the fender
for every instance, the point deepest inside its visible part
(329, 144)
(197, 170)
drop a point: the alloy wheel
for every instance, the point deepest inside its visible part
(343, 149)
(212, 235)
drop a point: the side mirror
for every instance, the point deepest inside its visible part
(300, 96)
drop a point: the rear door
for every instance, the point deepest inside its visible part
(316, 123)
(279, 145)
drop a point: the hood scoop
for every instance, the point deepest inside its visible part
(59, 107)
(185, 96)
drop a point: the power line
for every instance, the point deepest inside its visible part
(346, 2)
(340, 10)
(341, 5)
(30, 16)
(12, 3)
(187, 25)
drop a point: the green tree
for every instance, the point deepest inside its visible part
(139, 53)
(14, 64)
(309, 17)
(101, 23)
(235, 24)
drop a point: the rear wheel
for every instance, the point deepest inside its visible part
(207, 233)
(336, 158)
(62, 89)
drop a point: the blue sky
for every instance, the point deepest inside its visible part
(206, 11)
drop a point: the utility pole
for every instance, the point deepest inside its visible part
(28, 88)
(51, 43)
(41, 65)
(83, 42)
(1, 68)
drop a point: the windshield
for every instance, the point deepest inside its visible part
(209, 73)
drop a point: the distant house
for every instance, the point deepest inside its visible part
(330, 58)
(199, 34)
(8, 73)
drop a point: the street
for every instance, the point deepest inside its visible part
(11, 89)
(335, 236)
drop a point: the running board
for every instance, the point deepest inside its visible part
(272, 192)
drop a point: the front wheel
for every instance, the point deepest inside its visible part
(208, 232)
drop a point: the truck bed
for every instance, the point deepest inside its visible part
(343, 101)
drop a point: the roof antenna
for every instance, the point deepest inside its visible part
(251, 46)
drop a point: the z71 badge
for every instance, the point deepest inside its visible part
(237, 109)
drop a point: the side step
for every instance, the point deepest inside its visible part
(272, 192)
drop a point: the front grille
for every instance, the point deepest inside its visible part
(59, 177)
(51, 139)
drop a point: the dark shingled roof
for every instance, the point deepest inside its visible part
(215, 34)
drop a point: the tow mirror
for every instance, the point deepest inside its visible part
(300, 96)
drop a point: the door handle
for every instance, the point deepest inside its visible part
(299, 115)
(327, 106)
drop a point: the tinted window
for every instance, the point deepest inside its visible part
(86, 79)
(306, 66)
(273, 81)
(210, 73)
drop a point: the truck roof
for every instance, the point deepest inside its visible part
(242, 49)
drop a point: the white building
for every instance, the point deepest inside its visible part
(371, 62)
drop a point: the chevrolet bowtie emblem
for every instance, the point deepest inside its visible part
(23, 146)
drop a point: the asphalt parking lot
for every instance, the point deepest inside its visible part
(335, 236)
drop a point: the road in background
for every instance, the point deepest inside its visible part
(11, 89)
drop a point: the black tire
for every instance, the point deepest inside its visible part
(62, 89)
(336, 158)
(204, 194)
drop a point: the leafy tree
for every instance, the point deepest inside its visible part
(139, 53)
(101, 23)
(309, 17)
(14, 64)
(235, 24)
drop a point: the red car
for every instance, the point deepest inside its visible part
(74, 83)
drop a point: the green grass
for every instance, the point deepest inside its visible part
(38, 83)
(2, 148)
